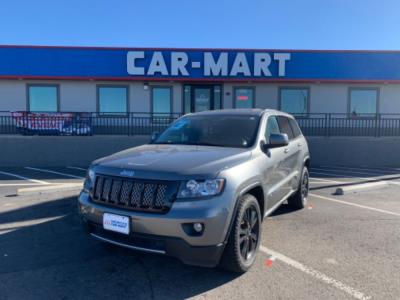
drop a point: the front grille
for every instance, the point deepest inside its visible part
(134, 194)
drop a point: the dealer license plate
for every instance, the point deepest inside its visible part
(116, 223)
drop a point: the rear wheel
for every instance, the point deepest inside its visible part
(244, 239)
(299, 199)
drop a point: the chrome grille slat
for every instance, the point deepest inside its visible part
(134, 194)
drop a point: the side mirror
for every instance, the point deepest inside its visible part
(154, 136)
(276, 140)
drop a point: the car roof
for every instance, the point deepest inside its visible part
(240, 111)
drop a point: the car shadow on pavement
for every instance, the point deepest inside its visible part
(57, 259)
(283, 209)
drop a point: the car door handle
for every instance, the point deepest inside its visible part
(299, 144)
(286, 150)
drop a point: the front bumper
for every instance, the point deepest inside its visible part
(164, 233)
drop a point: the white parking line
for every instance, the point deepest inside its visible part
(356, 205)
(333, 174)
(8, 227)
(378, 169)
(328, 180)
(316, 274)
(353, 172)
(54, 172)
(17, 184)
(24, 178)
(76, 168)
(376, 178)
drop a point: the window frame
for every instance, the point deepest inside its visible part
(171, 93)
(307, 114)
(292, 137)
(291, 121)
(237, 87)
(105, 114)
(28, 100)
(368, 116)
(266, 126)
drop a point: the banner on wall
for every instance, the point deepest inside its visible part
(29, 123)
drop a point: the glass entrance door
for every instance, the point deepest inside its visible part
(201, 97)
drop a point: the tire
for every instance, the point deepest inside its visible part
(244, 239)
(299, 199)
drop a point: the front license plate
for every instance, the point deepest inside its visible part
(116, 223)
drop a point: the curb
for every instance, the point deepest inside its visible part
(360, 187)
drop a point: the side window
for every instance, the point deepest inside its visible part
(272, 127)
(295, 128)
(284, 127)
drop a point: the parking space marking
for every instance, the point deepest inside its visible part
(24, 178)
(328, 180)
(18, 184)
(76, 168)
(8, 227)
(354, 172)
(54, 172)
(333, 174)
(356, 205)
(316, 274)
(378, 169)
(375, 178)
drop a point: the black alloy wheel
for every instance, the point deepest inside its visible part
(249, 233)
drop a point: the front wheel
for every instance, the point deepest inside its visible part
(244, 239)
(299, 199)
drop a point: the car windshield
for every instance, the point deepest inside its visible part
(238, 131)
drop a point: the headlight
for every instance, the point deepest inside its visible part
(194, 189)
(89, 180)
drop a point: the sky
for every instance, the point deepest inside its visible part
(279, 24)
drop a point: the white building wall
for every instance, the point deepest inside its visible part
(389, 98)
(82, 95)
(77, 96)
(12, 95)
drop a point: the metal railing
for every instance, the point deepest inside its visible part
(84, 123)
(336, 124)
(142, 123)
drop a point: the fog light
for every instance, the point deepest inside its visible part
(198, 227)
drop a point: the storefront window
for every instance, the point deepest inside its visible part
(363, 102)
(294, 100)
(43, 98)
(161, 97)
(244, 97)
(113, 100)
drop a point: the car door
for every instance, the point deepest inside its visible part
(291, 151)
(298, 146)
(273, 166)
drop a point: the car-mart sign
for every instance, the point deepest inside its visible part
(145, 64)
(222, 64)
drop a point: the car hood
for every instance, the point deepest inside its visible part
(171, 161)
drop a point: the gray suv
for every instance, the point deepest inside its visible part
(201, 189)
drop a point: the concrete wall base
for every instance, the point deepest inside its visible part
(355, 151)
(52, 151)
(48, 151)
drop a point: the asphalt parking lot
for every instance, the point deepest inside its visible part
(339, 247)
